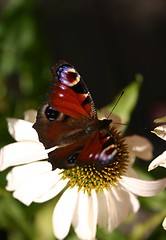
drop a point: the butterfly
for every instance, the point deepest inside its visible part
(68, 121)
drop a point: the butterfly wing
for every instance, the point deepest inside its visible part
(68, 121)
(99, 149)
(67, 111)
(69, 94)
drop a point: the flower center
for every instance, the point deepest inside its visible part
(89, 177)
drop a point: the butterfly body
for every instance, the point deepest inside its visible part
(68, 121)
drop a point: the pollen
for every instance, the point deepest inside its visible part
(88, 177)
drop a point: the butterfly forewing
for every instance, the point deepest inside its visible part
(69, 94)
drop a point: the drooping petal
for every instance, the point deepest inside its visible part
(31, 181)
(102, 210)
(113, 211)
(85, 216)
(159, 161)
(140, 146)
(120, 205)
(144, 188)
(22, 130)
(63, 212)
(135, 205)
(20, 153)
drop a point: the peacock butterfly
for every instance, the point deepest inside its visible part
(68, 121)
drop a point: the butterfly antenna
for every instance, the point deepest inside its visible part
(116, 103)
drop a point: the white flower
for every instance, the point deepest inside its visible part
(34, 181)
(160, 131)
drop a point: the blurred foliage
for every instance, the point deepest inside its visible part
(24, 63)
(24, 59)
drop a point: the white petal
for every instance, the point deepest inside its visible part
(30, 115)
(22, 130)
(164, 224)
(102, 210)
(85, 216)
(21, 175)
(113, 211)
(24, 174)
(93, 213)
(135, 205)
(159, 161)
(144, 188)
(120, 205)
(140, 146)
(126, 200)
(160, 131)
(52, 192)
(34, 184)
(20, 153)
(63, 212)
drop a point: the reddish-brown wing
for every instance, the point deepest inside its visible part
(69, 94)
(68, 120)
